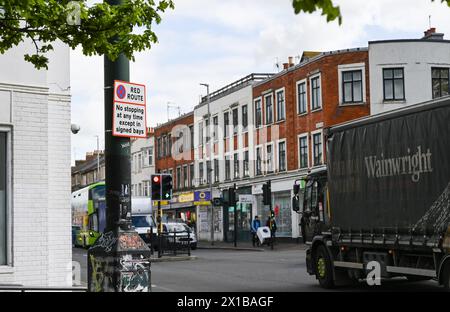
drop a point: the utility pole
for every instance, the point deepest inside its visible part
(210, 170)
(120, 254)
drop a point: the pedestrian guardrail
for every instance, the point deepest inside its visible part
(174, 243)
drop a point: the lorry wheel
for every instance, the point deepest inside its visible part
(446, 276)
(324, 269)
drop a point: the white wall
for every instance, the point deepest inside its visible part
(139, 146)
(218, 107)
(417, 57)
(35, 106)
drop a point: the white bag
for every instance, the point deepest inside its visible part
(263, 233)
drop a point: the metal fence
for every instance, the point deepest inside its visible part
(174, 243)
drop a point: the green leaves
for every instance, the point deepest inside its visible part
(328, 9)
(100, 29)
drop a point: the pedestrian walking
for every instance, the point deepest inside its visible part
(272, 224)
(256, 223)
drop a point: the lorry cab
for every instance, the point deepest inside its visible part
(311, 201)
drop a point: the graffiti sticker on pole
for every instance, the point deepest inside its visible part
(129, 113)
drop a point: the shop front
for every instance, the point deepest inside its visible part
(281, 205)
(244, 213)
(181, 209)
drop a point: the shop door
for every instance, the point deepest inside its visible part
(244, 213)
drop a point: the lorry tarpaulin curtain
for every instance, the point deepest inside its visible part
(393, 173)
(3, 188)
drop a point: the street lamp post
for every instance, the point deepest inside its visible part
(210, 170)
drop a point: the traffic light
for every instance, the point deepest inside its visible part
(267, 194)
(166, 187)
(156, 187)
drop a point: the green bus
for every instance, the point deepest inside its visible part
(88, 214)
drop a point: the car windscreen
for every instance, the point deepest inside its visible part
(176, 228)
(142, 221)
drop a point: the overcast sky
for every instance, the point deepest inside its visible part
(218, 42)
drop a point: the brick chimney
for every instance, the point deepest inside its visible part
(291, 61)
(431, 34)
(285, 66)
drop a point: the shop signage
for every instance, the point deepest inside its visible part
(246, 199)
(202, 198)
(185, 198)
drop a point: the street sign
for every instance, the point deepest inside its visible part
(246, 199)
(129, 110)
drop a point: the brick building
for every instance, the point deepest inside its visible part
(175, 155)
(88, 171)
(291, 110)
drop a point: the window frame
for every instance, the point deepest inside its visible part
(216, 170)
(281, 90)
(235, 125)
(185, 171)
(226, 124)
(261, 170)
(200, 133)
(272, 115)
(298, 83)
(244, 118)
(215, 128)
(285, 155)
(299, 137)
(192, 175)
(179, 173)
(237, 173)
(261, 120)
(394, 99)
(5, 268)
(201, 172)
(311, 87)
(227, 160)
(313, 134)
(266, 154)
(440, 81)
(246, 161)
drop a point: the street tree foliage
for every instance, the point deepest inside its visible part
(328, 8)
(100, 29)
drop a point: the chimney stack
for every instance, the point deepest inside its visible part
(285, 66)
(291, 61)
(431, 34)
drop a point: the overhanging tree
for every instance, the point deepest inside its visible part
(77, 24)
(92, 27)
(328, 8)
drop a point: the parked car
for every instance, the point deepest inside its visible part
(182, 231)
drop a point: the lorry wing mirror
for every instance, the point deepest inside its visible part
(296, 189)
(295, 204)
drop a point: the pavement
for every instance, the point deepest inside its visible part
(247, 246)
(232, 270)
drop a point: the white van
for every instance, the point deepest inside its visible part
(142, 219)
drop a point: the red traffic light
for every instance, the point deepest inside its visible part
(156, 179)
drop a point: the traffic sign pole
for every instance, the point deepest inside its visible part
(120, 247)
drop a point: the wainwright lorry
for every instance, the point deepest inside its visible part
(382, 198)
